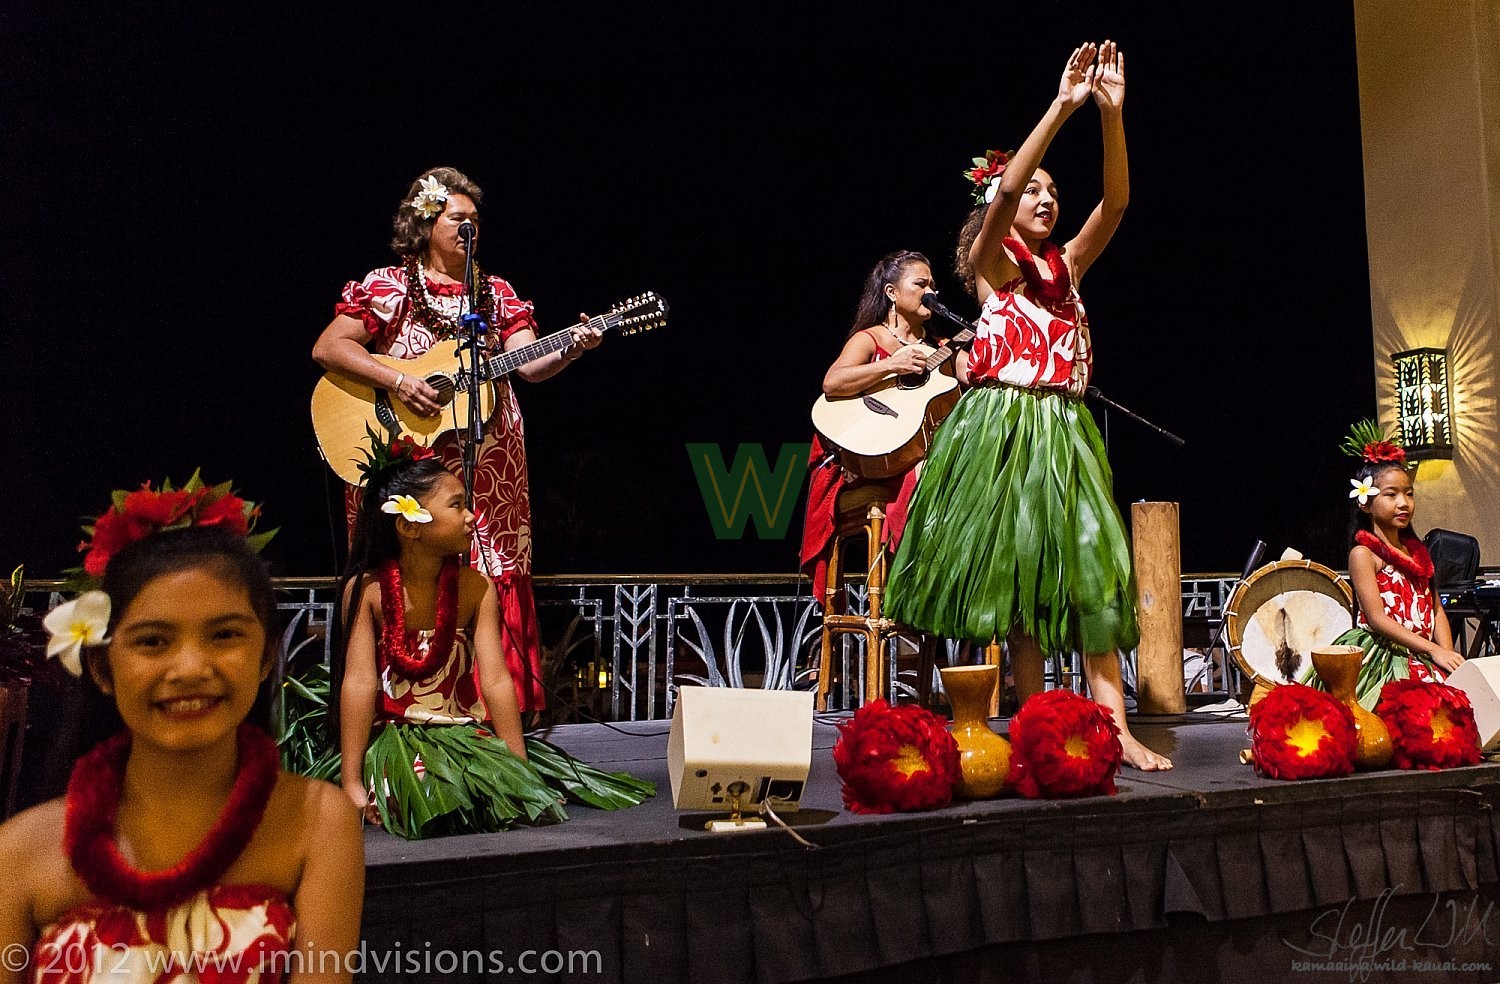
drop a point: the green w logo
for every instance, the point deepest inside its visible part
(749, 488)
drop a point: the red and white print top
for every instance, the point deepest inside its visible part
(228, 934)
(1022, 341)
(450, 696)
(1407, 600)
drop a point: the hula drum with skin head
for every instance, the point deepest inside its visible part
(1280, 614)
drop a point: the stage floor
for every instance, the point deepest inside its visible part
(1207, 843)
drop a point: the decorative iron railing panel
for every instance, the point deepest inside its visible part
(619, 647)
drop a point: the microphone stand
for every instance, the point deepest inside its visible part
(1094, 392)
(475, 329)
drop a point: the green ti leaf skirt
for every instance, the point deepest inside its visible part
(1014, 528)
(470, 782)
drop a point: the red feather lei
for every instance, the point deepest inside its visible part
(93, 805)
(1297, 732)
(1431, 724)
(1417, 567)
(1048, 291)
(393, 628)
(898, 758)
(1064, 745)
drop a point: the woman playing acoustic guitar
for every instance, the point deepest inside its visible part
(889, 336)
(387, 312)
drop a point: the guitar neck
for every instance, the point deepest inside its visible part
(508, 362)
(948, 350)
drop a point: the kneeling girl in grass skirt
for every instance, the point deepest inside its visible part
(430, 726)
(1401, 625)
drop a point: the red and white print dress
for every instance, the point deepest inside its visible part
(1408, 602)
(228, 934)
(449, 696)
(502, 502)
(1023, 341)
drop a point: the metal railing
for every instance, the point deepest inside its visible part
(618, 646)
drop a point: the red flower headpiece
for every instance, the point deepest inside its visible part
(1297, 732)
(1431, 724)
(136, 515)
(1064, 745)
(896, 759)
(381, 457)
(405, 447)
(1368, 442)
(986, 172)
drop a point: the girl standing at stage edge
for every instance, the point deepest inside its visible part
(405, 310)
(1013, 532)
(1401, 625)
(422, 666)
(180, 847)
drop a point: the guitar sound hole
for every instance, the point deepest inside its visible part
(444, 387)
(912, 380)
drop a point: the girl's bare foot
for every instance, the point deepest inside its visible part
(1138, 756)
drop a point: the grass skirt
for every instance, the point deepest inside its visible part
(470, 782)
(1383, 662)
(1014, 527)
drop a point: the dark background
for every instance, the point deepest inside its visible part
(187, 191)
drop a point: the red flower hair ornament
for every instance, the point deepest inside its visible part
(985, 174)
(1063, 746)
(136, 515)
(1297, 732)
(896, 759)
(1368, 442)
(1431, 724)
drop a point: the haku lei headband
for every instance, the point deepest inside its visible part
(1368, 442)
(380, 457)
(134, 516)
(985, 174)
(432, 195)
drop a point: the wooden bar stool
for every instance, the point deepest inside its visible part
(860, 511)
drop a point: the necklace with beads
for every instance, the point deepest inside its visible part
(426, 308)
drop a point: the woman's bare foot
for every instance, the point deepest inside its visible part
(1138, 756)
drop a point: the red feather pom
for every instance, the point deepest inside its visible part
(1063, 746)
(1431, 724)
(896, 759)
(1297, 732)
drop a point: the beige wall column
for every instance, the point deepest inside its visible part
(1429, 94)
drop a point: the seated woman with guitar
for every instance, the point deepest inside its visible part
(889, 337)
(387, 312)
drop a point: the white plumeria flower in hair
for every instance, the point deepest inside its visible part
(431, 196)
(407, 508)
(75, 624)
(991, 188)
(1362, 490)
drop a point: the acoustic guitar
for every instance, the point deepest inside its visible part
(887, 429)
(344, 410)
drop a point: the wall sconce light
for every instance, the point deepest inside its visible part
(1422, 404)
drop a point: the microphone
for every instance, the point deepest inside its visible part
(930, 300)
(467, 232)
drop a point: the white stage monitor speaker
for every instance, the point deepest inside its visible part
(727, 739)
(1480, 679)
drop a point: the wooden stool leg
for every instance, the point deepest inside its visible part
(875, 662)
(994, 655)
(833, 587)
